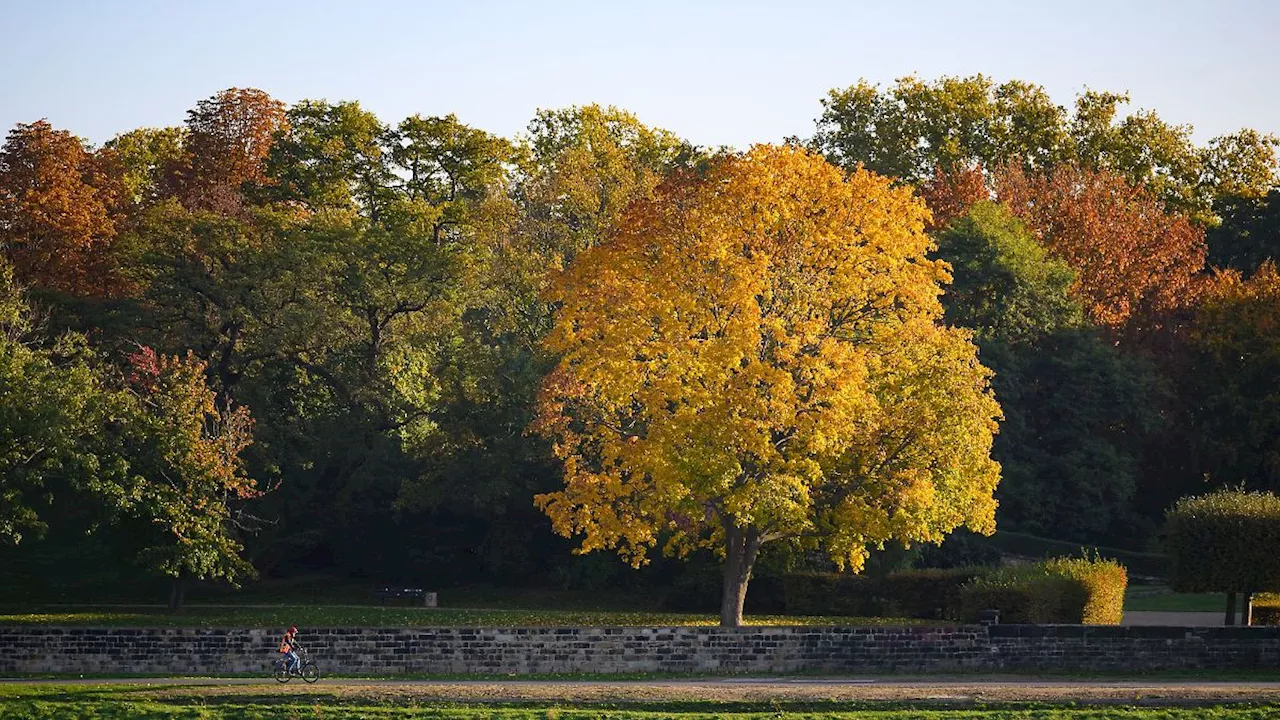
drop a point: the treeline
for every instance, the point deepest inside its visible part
(315, 339)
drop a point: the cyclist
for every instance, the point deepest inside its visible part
(289, 647)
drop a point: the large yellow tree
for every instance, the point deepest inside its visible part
(757, 355)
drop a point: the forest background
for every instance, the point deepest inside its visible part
(297, 340)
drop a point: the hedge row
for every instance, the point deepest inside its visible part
(931, 594)
(1061, 590)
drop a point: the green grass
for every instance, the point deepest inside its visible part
(67, 702)
(102, 710)
(355, 616)
(1161, 598)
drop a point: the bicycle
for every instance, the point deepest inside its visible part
(303, 668)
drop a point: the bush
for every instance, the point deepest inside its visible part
(1024, 594)
(1061, 590)
(1266, 609)
(1104, 583)
(1224, 542)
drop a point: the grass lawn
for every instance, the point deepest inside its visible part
(276, 616)
(1161, 598)
(39, 710)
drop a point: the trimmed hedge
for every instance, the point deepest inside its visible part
(1225, 541)
(1061, 590)
(827, 594)
(929, 594)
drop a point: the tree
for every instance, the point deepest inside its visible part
(1249, 234)
(1235, 360)
(1004, 283)
(56, 228)
(228, 138)
(1242, 165)
(333, 158)
(586, 164)
(49, 400)
(916, 126)
(1225, 541)
(952, 192)
(151, 449)
(145, 155)
(1135, 261)
(185, 470)
(1077, 409)
(755, 356)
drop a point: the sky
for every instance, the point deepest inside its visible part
(716, 73)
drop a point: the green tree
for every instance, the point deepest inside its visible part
(150, 449)
(1235, 360)
(1077, 410)
(50, 399)
(334, 157)
(1249, 234)
(1006, 287)
(915, 127)
(145, 155)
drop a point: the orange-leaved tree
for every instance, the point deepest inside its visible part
(756, 355)
(56, 224)
(228, 138)
(1136, 261)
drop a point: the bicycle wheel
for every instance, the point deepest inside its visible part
(310, 673)
(281, 674)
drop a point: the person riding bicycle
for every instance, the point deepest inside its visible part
(289, 647)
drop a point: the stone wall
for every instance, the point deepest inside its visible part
(353, 651)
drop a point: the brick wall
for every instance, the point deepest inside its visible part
(355, 651)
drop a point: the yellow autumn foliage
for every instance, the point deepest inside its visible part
(759, 352)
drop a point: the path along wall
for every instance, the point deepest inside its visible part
(354, 651)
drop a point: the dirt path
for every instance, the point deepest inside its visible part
(1180, 619)
(943, 690)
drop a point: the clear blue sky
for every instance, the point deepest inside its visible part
(714, 72)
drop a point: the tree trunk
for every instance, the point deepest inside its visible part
(741, 546)
(177, 593)
(1231, 609)
(1246, 608)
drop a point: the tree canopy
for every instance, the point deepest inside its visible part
(755, 356)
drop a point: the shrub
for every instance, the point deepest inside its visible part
(1224, 542)
(1061, 590)
(1104, 583)
(1024, 594)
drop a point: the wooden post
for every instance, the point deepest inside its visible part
(1231, 609)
